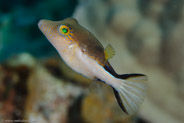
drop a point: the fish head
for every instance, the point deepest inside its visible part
(59, 33)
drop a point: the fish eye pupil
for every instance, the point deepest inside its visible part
(65, 30)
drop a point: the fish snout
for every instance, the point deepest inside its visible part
(42, 23)
(47, 28)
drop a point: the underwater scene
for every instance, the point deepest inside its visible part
(91, 61)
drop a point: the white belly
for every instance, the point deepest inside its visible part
(73, 57)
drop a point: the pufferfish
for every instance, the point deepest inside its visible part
(82, 51)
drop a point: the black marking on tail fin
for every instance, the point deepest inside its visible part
(109, 69)
(128, 76)
(119, 101)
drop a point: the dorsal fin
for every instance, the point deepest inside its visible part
(109, 52)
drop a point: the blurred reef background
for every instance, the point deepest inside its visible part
(37, 86)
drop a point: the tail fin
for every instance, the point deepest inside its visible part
(130, 92)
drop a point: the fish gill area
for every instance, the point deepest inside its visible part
(36, 86)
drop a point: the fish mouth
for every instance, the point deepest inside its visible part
(42, 24)
(47, 27)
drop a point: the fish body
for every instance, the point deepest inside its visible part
(84, 54)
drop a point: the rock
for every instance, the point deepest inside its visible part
(49, 98)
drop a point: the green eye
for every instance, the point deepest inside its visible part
(64, 30)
